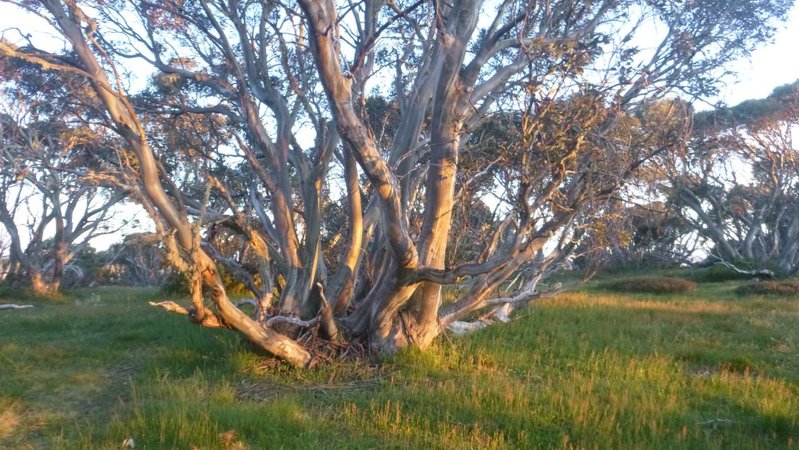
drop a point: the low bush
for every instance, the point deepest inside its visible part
(651, 285)
(178, 284)
(175, 284)
(770, 287)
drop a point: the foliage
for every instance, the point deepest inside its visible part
(51, 205)
(754, 111)
(176, 283)
(17, 294)
(636, 237)
(736, 185)
(84, 269)
(729, 192)
(651, 285)
(133, 262)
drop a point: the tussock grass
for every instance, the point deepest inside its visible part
(588, 369)
(784, 288)
(650, 285)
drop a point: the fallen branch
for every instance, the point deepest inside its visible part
(499, 314)
(247, 301)
(502, 313)
(13, 306)
(461, 327)
(504, 307)
(208, 320)
(171, 306)
(757, 273)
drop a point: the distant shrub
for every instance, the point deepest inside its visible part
(771, 287)
(178, 284)
(175, 284)
(651, 285)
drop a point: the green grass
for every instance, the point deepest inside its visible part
(589, 369)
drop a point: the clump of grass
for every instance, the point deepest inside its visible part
(651, 285)
(770, 287)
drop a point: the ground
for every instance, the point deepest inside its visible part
(587, 369)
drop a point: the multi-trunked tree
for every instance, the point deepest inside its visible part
(366, 156)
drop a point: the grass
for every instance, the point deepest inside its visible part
(588, 369)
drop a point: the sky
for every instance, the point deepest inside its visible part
(771, 65)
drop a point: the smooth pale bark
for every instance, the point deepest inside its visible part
(341, 288)
(17, 256)
(23, 269)
(388, 325)
(446, 126)
(322, 21)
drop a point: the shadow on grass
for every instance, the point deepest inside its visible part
(67, 365)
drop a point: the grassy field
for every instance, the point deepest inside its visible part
(588, 369)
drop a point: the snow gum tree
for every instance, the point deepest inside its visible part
(353, 132)
(50, 205)
(736, 183)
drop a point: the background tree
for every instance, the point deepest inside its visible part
(50, 206)
(737, 183)
(136, 261)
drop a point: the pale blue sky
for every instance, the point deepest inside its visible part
(770, 66)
